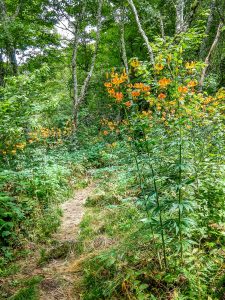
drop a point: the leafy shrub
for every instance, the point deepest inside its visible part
(168, 243)
(10, 214)
(30, 196)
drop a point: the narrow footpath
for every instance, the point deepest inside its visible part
(49, 265)
(58, 282)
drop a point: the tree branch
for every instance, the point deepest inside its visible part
(89, 75)
(162, 26)
(142, 32)
(180, 16)
(207, 30)
(215, 42)
(122, 40)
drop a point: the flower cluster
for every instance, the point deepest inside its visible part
(50, 136)
(164, 82)
(123, 92)
(109, 126)
(171, 93)
(44, 133)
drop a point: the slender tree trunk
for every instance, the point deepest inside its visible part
(13, 61)
(76, 33)
(179, 16)
(123, 43)
(142, 32)
(79, 97)
(207, 30)
(124, 54)
(10, 48)
(207, 60)
(183, 22)
(74, 77)
(162, 26)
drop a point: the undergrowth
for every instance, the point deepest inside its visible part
(120, 253)
(32, 189)
(30, 194)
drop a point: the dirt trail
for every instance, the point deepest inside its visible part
(58, 283)
(73, 211)
(53, 262)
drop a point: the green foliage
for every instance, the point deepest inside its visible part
(29, 199)
(30, 291)
(128, 264)
(9, 215)
(155, 147)
(170, 238)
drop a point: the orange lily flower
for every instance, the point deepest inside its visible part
(135, 93)
(164, 82)
(128, 104)
(119, 96)
(161, 96)
(192, 83)
(182, 89)
(108, 84)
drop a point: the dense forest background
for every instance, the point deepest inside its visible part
(131, 92)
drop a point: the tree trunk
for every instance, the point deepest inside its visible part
(12, 59)
(207, 30)
(10, 48)
(79, 97)
(76, 33)
(214, 44)
(142, 32)
(179, 16)
(184, 22)
(74, 77)
(123, 43)
(162, 26)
